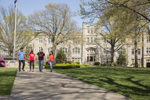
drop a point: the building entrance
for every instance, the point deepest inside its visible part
(90, 58)
(148, 64)
(91, 55)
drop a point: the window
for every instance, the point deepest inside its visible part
(132, 60)
(138, 39)
(88, 40)
(88, 31)
(40, 40)
(49, 41)
(40, 48)
(107, 51)
(72, 59)
(132, 51)
(138, 51)
(139, 61)
(91, 40)
(148, 50)
(92, 31)
(49, 49)
(73, 51)
(148, 40)
(94, 40)
(76, 50)
(65, 50)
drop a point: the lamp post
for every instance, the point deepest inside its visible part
(15, 29)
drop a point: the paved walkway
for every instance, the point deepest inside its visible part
(54, 86)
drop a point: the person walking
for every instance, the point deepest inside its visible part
(51, 60)
(41, 55)
(21, 57)
(31, 59)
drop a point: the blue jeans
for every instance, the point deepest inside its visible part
(51, 64)
(31, 63)
(40, 65)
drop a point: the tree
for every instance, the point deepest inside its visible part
(7, 23)
(61, 56)
(132, 6)
(111, 35)
(56, 22)
(133, 17)
(122, 59)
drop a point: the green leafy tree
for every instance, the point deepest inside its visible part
(7, 24)
(123, 58)
(56, 22)
(61, 56)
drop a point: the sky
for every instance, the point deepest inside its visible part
(29, 6)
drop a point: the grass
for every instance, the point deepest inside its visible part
(131, 82)
(7, 77)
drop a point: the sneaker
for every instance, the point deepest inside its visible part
(33, 71)
(51, 71)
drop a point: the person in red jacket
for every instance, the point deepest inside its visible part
(51, 60)
(31, 59)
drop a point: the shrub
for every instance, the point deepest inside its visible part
(64, 66)
(133, 63)
(103, 64)
(72, 62)
(77, 62)
(68, 62)
(86, 65)
(60, 56)
(96, 63)
(115, 63)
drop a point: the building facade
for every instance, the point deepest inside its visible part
(89, 52)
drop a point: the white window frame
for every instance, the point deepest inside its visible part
(133, 52)
(49, 40)
(148, 40)
(40, 40)
(139, 51)
(40, 49)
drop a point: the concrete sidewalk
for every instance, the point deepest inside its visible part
(54, 86)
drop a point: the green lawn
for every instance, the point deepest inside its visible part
(7, 77)
(130, 82)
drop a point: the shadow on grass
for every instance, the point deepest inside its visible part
(131, 82)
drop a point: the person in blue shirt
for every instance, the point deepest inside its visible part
(21, 57)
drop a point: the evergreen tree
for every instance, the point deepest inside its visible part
(122, 59)
(61, 56)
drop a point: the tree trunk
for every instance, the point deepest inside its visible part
(54, 51)
(10, 53)
(112, 55)
(136, 57)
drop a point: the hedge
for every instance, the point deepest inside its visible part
(86, 65)
(77, 62)
(103, 64)
(133, 63)
(115, 64)
(63, 66)
(96, 63)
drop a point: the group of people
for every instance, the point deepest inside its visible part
(21, 57)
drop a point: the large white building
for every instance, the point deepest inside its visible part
(89, 51)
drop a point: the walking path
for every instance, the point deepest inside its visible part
(54, 86)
